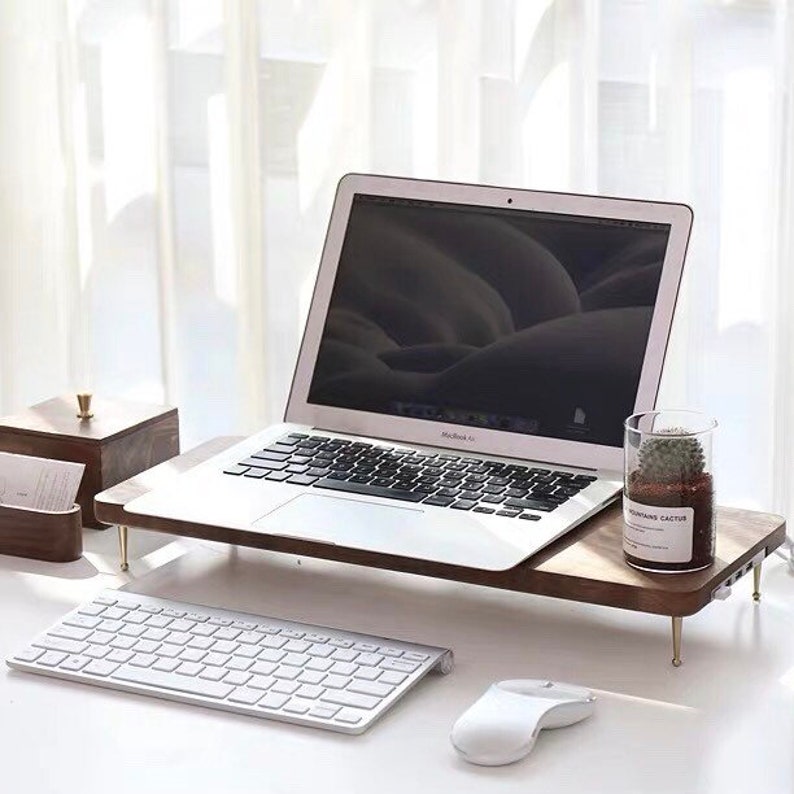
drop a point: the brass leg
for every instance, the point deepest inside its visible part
(757, 583)
(123, 547)
(677, 624)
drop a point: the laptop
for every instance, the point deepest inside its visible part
(469, 357)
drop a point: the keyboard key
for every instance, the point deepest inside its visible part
(105, 600)
(367, 673)
(463, 504)
(392, 677)
(156, 635)
(222, 646)
(323, 711)
(237, 677)
(52, 658)
(271, 655)
(344, 668)
(320, 665)
(261, 681)
(122, 642)
(143, 660)
(245, 695)
(287, 673)
(75, 663)
(296, 659)
(70, 632)
(349, 717)
(263, 668)
(529, 517)
(97, 651)
(211, 673)
(239, 663)
(336, 681)
(370, 688)
(192, 655)
(273, 700)
(324, 650)
(248, 651)
(176, 683)
(236, 469)
(100, 668)
(310, 691)
(399, 665)
(344, 654)
(51, 643)
(297, 706)
(128, 629)
(530, 504)
(369, 490)
(146, 646)
(29, 654)
(413, 656)
(369, 659)
(274, 642)
(166, 665)
(91, 609)
(285, 687)
(169, 650)
(342, 697)
(82, 621)
(312, 676)
(439, 501)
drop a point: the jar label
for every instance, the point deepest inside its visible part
(657, 534)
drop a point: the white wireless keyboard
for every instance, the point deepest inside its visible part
(247, 664)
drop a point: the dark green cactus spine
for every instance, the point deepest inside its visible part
(669, 460)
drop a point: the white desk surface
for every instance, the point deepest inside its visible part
(723, 722)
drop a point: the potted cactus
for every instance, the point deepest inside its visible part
(669, 498)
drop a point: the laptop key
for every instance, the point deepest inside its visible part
(439, 501)
(531, 504)
(463, 504)
(529, 517)
(277, 476)
(260, 463)
(301, 479)
(369, 490)
(236, 469)
(483, 510)
(268, 454)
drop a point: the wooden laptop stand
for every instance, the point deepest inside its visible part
(585, 565)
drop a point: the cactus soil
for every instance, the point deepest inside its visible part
(697, 493)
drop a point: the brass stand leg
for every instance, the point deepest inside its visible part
(123, 547)
(677, 624)
(757, 583)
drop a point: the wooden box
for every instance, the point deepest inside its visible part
(120, 440)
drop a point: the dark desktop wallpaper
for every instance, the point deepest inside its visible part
(527, 322)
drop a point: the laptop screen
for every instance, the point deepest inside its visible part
(513, 320)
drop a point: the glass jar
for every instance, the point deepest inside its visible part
(668, 491)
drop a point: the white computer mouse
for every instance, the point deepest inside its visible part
(502, 726)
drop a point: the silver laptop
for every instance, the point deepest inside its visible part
(469, 357)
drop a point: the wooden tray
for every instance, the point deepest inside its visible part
(585, 565)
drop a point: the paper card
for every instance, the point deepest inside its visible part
(39, 483)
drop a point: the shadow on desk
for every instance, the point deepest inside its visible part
(79, 569)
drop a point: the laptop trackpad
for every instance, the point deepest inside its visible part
(344, 522)
(442, 535)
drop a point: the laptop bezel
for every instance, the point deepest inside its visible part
(463, 437)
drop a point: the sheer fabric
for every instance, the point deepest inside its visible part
(168, 167)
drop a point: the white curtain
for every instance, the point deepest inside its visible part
(167, 169)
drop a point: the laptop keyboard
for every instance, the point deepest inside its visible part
(439, 479)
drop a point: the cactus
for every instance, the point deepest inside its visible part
(670, 460)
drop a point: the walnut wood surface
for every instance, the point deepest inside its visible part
(585, 565)
(57, 537)
(58, 417)
(123, 439)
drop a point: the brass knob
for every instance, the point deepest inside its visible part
(84, 401)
